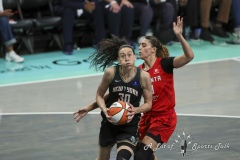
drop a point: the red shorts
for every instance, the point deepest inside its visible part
(158, 124)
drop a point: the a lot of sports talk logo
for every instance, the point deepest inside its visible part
(185, 145)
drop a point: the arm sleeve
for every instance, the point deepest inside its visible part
(167, 64)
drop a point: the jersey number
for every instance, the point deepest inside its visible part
(125, 97)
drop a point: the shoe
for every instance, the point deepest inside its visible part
(218, 31)
(235, 39)
(94, 46)
(166, 36)
(194, 38)
(206, 35)
(236, 32)
(13, 57)
(68, 53)
(68, 49)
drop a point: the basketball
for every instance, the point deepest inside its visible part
(118, 111)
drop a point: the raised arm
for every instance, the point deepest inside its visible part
(188, 55)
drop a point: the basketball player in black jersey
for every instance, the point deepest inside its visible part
(126, 82)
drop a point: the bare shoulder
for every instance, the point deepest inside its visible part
(145, 75)
(145, 79)
(109, 72)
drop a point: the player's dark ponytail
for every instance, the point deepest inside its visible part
(106, 53)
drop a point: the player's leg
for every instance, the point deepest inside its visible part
(127, 142)
(104, 153)
(146, 148)
(125, 151)
(106, 140)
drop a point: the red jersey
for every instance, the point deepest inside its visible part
(162, 88)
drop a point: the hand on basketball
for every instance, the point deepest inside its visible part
(178, 27)
(108, 116)
(80, 114)
(131, 112)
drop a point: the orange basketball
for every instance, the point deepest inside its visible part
(118, 111)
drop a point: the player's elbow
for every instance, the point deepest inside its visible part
(190, 58)
(149, 106)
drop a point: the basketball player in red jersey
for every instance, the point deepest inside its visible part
(120, 80)
(157, 125)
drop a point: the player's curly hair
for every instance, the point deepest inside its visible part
(106, 53)
(162, 51)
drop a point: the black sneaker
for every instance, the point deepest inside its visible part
(206, 35)
(218, 31)
(193, 37)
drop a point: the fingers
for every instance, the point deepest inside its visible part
(130, 118)
(174, 24)
(75, 112)
(78, 117)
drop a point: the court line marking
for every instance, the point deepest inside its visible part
(51, 80)
(98, 74)
(236, 59)
(94, 113)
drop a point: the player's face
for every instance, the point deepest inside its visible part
(145, 49)
(126, 57)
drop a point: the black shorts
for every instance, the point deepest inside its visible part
(122, 135)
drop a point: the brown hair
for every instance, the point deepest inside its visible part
(107, 51)
(162, 51)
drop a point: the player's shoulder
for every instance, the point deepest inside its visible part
(110, 70)
(144, 74)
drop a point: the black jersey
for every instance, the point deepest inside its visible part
(130, 92)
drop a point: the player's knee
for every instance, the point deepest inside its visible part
(124, 154)
(143, 153)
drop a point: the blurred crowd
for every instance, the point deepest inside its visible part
(202, 20)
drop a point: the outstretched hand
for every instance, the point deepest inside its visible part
(178, 27)
(78, 115)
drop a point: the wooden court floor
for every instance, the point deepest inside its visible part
(36, 121)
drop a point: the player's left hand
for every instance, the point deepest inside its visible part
(131, 112)
(178, 27)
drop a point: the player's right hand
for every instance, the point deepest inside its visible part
(78, 115)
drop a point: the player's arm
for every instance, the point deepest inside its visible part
(102, 88)
(78, 115)
(147, 93)
(188, 55)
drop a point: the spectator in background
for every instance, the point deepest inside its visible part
(224, 7)
(236, 18)
(7, 35)
(67, 9)
(144, 14)
(189, 10)
(164, 14)
(120, 18)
